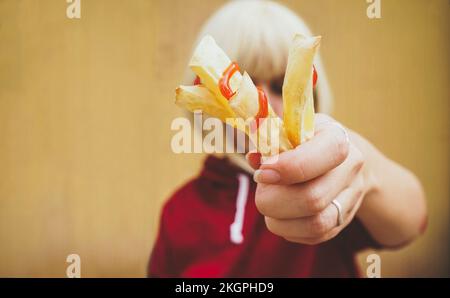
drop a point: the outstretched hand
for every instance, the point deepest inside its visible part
(296, 188)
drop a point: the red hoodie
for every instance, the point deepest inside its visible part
(210, 227)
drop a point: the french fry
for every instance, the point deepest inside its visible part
(209, 62)
(298, 102)
(194, 98)
(233, 98)
(270, 138)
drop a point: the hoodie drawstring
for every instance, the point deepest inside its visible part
(236, 227)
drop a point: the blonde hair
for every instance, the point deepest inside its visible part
(257, 35)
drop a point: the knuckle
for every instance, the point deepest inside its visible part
(300, 168)
(271, 226)
(358, 159)
(341, 146)
(315, 200)
(295, 166)
(320, 224)
(317, 226)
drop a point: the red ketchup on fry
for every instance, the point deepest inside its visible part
(225, 89)
(314, 77)
(224, 82)
(263, 110)
(197, 81)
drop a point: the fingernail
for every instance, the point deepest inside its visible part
(249, 155)
(266, 176)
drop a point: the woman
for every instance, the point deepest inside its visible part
(305, 215)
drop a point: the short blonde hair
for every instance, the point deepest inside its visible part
(257, 35)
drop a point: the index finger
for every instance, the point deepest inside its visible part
(325, 151)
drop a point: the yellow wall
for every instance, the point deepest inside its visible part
(86, 107)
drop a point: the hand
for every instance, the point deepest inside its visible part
(296, 188)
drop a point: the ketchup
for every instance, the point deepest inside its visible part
(225, 89)
(263, 110)
(224, 82)
(314, 77)
(197, 81)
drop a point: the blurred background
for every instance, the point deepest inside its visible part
(86, 106)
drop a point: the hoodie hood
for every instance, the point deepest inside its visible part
(222, 171)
